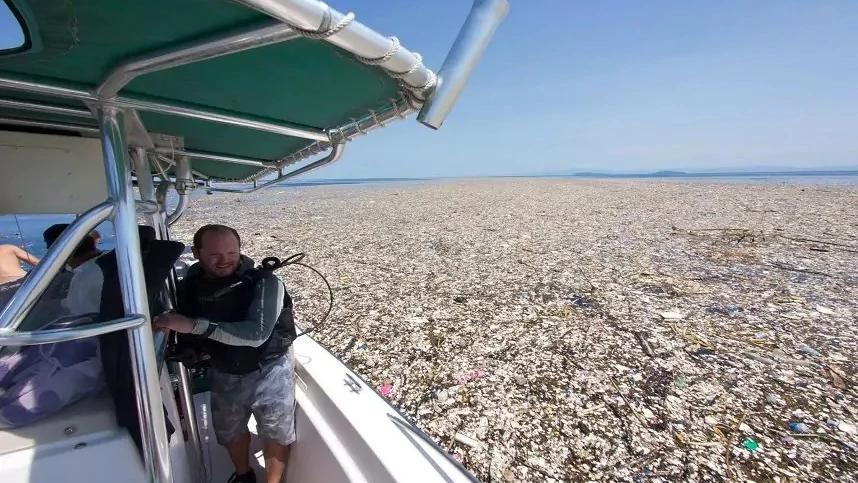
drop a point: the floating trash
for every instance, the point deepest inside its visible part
(847, 428)
(824, 310)
(671, 315)
(549, 286)
(751, 445)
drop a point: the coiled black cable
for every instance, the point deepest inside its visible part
(270, 264)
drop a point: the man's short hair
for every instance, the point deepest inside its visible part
(53, 232)
(213, 228)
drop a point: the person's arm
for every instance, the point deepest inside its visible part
(261, 317)
(25, 256)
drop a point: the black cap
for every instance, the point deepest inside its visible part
(53, 232)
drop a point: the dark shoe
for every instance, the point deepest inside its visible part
(249, 477)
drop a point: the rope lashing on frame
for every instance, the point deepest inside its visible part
(326, 30)
(409, 92)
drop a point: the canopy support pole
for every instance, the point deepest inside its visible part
(159, 221)
(153, 429)
(146, 186)
(184, 186)
(186, 399)
(473, 38)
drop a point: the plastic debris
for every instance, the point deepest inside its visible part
(646, 347)
(467, 440)
(543, 284)
(824, 310)
(728, 310)
(836, 378)
(809, 350)
(508, 475)
(471, 376)
(751, 445)
(847, 428)
(671, 315)
(799, 428)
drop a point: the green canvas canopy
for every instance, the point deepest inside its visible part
(288, 90)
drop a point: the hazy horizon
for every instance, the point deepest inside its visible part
(822, 172)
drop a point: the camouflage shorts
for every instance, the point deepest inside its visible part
(268, 394)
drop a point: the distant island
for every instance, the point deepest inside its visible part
(714, 174)
(661, 174)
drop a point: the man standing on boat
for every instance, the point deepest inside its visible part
(245, 319)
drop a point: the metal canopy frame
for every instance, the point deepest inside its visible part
(196, 52)
(111, 114)
(65, 92)
(424, 91)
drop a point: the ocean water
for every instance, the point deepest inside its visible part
(26, 231)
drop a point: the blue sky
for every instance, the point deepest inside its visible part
(627, 85)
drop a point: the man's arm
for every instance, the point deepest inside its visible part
(262, 317)
(25, 256)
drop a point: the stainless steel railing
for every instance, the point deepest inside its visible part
(12, 338)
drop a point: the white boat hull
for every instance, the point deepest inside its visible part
(346, 432)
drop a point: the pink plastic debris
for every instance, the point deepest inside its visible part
(471, 376)
(385, 389)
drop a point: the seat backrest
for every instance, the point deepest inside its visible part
(159, 257)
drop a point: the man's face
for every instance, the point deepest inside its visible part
(220, 253)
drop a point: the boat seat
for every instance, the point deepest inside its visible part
(88, 416)
(70, 446)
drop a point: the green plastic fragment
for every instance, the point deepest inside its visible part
(750, 444)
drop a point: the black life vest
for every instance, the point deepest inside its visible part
(217, 300)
